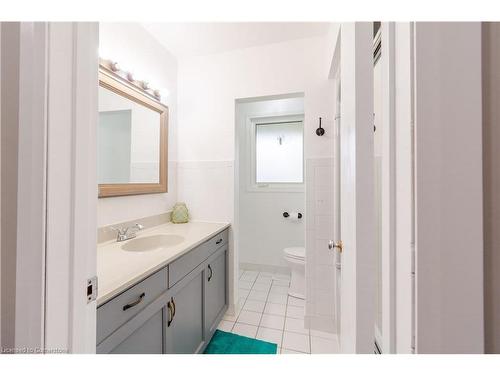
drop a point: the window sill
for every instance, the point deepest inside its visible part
(276, 188)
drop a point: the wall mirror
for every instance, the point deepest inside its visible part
(131, 139)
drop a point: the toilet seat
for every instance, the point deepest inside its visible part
(298, 253)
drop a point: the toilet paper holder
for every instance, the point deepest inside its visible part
(286, 214)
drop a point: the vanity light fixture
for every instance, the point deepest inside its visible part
(128, 76)
(114, 66)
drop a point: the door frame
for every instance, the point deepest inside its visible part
(56, 248)
(31, 147)
(448, 183)
(388, 189)
(73, 62)
(352, 55)
(388, 183)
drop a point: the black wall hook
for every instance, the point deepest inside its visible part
(320, 131)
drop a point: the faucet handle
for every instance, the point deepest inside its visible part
(120, 231)
(124, 234)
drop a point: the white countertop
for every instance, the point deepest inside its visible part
(118, 269)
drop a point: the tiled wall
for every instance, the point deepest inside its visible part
(320, 269)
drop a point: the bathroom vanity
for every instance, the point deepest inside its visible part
(164, 291)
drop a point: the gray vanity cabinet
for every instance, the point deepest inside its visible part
(142, 334)
(216, 293)
(175, 310)
(184, 329)
(147, 339)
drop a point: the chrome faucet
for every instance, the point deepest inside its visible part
(127, 233)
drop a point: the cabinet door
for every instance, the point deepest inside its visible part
(215, 290)
(184, 331)
(147, 339)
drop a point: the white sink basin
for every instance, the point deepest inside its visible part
(155, 242)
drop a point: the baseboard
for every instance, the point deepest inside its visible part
(265, 268)
(320, 323)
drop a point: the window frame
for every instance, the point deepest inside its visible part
(252, 185)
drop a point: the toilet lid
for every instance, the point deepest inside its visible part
(295, 252)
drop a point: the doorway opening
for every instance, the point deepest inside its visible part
(269, 229)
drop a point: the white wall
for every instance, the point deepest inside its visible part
(449, 187)
(208, 88)
(136, 50)
(263, 231)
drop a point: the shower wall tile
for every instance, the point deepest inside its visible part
(320, 269)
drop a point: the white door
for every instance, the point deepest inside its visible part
(356, 206)
(54, 111)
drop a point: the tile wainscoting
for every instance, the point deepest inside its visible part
(320, 269)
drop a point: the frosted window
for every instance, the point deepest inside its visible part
(279, 153)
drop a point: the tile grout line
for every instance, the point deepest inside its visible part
(246, 298)
(310, 338)
(284, 325)
(238, 314)
(265, 304)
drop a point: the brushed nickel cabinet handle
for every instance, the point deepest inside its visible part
(211, 272)
(135, 303)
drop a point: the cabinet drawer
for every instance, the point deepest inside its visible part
(217, 241)
(188, 262)
(120, 309)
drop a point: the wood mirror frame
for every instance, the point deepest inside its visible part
(115, 83)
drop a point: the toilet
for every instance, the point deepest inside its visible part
(296, 256)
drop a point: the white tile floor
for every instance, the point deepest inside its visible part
(266, 312)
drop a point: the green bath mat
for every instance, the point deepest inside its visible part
(229, 343)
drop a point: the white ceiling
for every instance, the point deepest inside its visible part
(194, 39)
